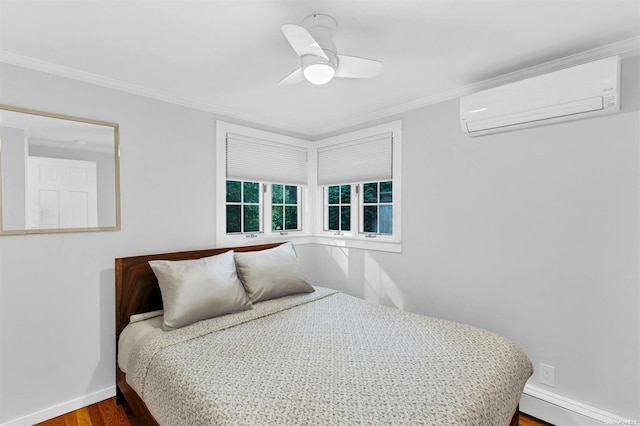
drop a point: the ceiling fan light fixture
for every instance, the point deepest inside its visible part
(319, 73)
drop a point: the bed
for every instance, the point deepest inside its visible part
(319, 357)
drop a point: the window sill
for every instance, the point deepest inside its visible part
(326, 240)
(244, 240)
(390, 246)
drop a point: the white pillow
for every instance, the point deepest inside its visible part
(271, 273)
(193, 290)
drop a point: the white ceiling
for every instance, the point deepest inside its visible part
(227, 56)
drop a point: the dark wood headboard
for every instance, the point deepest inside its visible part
(137, 288)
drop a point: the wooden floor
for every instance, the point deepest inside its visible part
(107, 413)
(531, 421)
(101, 414)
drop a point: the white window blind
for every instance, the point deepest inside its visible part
(363, 160)
(264, 161)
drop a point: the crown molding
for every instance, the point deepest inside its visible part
(98, 80)
(624, 48)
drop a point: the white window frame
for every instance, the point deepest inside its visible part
(378, 204)
(266, 235)
(269, 193)
(354, 238)
(325, 210)
(242, 204)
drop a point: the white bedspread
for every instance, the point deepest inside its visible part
(326, 358)
(135, 334)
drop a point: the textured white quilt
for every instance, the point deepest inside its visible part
(326, 358)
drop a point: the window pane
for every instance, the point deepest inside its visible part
(276, 194)
(370, 219)
(334, 194)
(291, 217)
(334, 218)
(371, 192)
(291, 194)
(234, 188)
(345, 218)
(233, 218)
(386, 219)
(276, 218)
(386, 195)
(345, 193)
(251, 218)
(251, 192)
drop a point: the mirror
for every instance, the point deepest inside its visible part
(58, 173)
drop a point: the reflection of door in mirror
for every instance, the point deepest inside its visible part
(61, 193)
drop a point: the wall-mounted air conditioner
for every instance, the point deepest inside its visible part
(569, 94)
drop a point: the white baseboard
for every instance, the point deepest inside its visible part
(60, 409)
(537, 402)
(561, 411)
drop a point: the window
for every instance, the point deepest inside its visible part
(244, 207)
(285, 207)
(377, 208)
(373, 210)
(338, 210)
(359, 173)
(343, 190)
(261, 182)
(244, 212)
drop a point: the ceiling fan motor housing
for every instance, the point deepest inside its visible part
(322, 28)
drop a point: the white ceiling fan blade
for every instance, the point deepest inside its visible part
(295, 77)
(302, 41)
(354, 67)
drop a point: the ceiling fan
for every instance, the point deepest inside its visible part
(320, 62)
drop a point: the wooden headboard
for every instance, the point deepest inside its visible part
(137, 288)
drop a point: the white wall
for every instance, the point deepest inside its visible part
(533, 234)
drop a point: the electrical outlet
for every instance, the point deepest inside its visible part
(547, 375)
